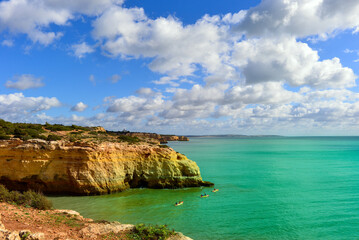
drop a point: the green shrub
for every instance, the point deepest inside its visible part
(53, 137)
(29, 198)
(152, 232)
(37, 200)
(4, 137)
(4, 193)
(163, 146)
(24, 131)
(129, 139)
(7, 127)
(75, 127)
(60, 127)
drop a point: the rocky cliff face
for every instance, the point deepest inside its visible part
(78, 168)
(155, 136)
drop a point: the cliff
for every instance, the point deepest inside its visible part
(93, 168)
(154, 136)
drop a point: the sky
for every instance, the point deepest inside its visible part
(283, 67)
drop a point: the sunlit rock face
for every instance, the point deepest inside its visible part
(85, 168)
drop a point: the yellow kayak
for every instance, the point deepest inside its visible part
(215, 190)
(203, 196)
(178, 204)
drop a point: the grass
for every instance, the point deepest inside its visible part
(28, 199)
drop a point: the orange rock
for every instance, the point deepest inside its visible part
(85, 168)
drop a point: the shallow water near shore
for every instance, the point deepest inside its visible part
(269, 188)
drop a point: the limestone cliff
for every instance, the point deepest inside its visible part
(87, 168)
(154, 136)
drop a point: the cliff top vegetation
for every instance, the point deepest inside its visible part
(80, 134)
(54, 132)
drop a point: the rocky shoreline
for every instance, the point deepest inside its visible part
(75, 160)
(18, 223)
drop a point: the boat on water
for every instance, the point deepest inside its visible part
(179, 203)
(215, 190)
(204, 196)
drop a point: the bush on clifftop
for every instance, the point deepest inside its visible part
(129, 139)
(151, 232)
(29, 198)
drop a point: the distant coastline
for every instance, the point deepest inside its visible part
(231, 135)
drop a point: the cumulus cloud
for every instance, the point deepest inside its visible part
(25, 81)
(300, 18)
(81, 49)
(136, 105)
(33, 17)
(16, 106)
(79, 107)
(250, 70)
(285, 59)
(129, 33)
(145, 92)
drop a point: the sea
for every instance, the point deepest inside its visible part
(269, 188)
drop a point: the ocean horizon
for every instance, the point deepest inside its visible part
(270, 187)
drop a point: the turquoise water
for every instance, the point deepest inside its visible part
(269, 188)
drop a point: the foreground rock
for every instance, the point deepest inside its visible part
(88, 168)
(17, 223)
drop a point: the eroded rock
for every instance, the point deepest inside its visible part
(64, 167)
(95, 229)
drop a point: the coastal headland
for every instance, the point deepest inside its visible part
(86, 161)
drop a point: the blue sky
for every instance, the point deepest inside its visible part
(284, 67)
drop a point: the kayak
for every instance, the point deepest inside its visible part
(178, 204)
(216, 190)
(205, 196)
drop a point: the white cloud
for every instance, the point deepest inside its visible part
(81, 49)
(115, 78)
(29, 17)
(33, 17)
(79, 107)
(285, 59)
(145, 92)
(248, 68)
(300, 18)
(263, 93)
(15, 107)
(24, 81)
(136, 105)
(175, 49)
(7, 43)
(199, 95)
